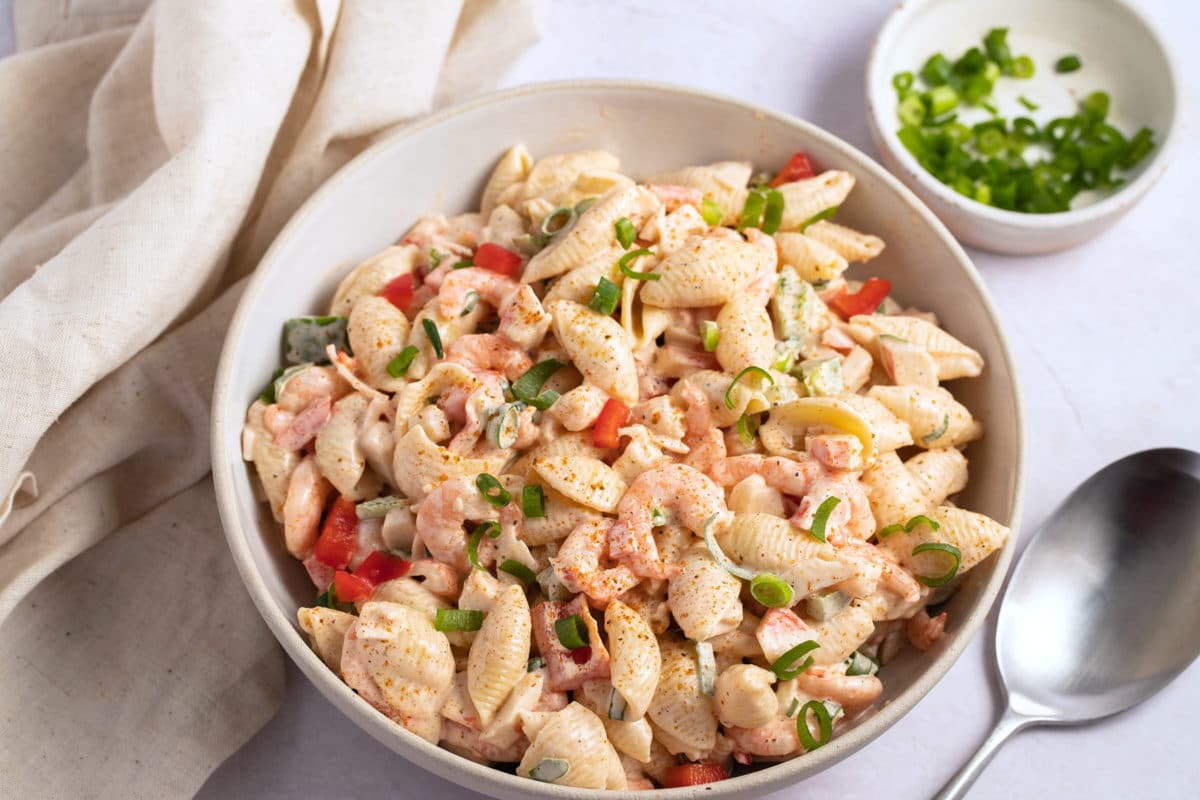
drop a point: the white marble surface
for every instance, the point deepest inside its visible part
(1104, 341)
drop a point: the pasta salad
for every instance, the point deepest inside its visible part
(621, 484)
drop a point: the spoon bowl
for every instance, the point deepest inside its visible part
(1100, 611)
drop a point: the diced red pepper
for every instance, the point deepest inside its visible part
(581, 655)
(500, 260)
(613, 416)
(694, 774)
(351, 588)
(797, 168)
(864, 301)
(339, 535)
(381, 567)
(399, 291)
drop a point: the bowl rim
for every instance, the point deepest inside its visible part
(451, 766)
(877, 89)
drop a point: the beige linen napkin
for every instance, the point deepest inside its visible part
(147, 159)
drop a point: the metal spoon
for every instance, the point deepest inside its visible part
(1100, 612)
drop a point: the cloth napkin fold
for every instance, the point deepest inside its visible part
(150, 154)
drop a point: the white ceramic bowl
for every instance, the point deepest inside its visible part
(1121, 54)
(442, 162)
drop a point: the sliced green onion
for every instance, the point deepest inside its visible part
(528, 385)
(706, 667)
(489, 486)
(490, 529)
(784, 666)
(533, 501)
(921, 519)
(584, 204)
(712, 213)
(747, 428)
(751, 370)
(552, 587)
(519, 571)
(550, 769)
(859, 664)
(379, 507)
(821, 517)
(463, 264)
(911, 110)
(658, 517)
(534, 664)
(937, 70)
(469, 302)
(616, 706)
(824, 725)
(793, 708)
(902, 81)
(941, 99)
(435, 258)
(719, 557)
(996, 44)
(773, 216)
(710, 335)
(1067, 64)
(625, 232)
(606, 297)
(937, 434)
(771, 590)
(504, 426)
(628, 272)
(825, 605)
(827, 213)
(557, 221)
(752, 211)
(1025, 101)
(435, 338)
(400, 364)
(888, 530)
(939, 547)
(544, 399)
(1022, 67)
(449, 620)
(572, 633)
(1095, 105)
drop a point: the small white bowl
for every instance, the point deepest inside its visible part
(442, 162)
(1121, 54)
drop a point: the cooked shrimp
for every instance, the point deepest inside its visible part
(306, 495)
(480, 403)
(673, 196)
(676, 490)
(442, 515)
(294, 431)
(310, 385)
(839, 451)
(579, 565)
(706, 444)
(762, 288)
(487, 351)
(491, 287)
(893, 577)
(923, 630)
(436, 577)
(853, 692)
(469, 743)
(457, 235)
(794, 477)
(851, 519)
(776, 739)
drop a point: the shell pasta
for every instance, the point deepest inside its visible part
(623, 484)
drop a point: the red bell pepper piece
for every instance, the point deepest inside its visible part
(613, 416)
(339, 535)
(381, 567)
(351, 588)
(797, 168)
(399, 291)
(864, 301)
(693, 774)
(495, 258)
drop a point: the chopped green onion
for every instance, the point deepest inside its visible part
(937, 434)
(771, 590)
(1067, 64)
(528, 385)
(379, 507)
(911, 110)
(435, 258)
(550, 769)
(489, 486)
(606, 297)
(712, 213)
(825, 605)
(939, 547)
(888, 530)
(616, 706)
(435, 338)
(504, 426)
(625, 232)
(519, 571)
(400, 364)
(1095, 105)
(710, 335)
(658, 517)
(821, 517)
(534, 664)
(752, 211)
(902, 81)
(552, 587)
(544, 400)
(706, 664)
(1022, 67)
(469, 302)
(449, 620)
(747, 428)
(329, 599)
(1025, 101)
(490, 529)
(793, 707)
(937, 70)
(557, 221)
(628, 272)
(773, 216)
(751, 370)
(572, 633)
(827, 213)
(463, 264)
(533, 501)
(859, 664)
(907, 527)
(719, 557)
(1139, 147)
(996, 44)
(784, 668)
(941, 99)
(824, 725)
(584, 204)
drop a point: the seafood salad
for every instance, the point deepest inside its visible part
(622, 484)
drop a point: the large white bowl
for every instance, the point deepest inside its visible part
(441, 162)
(1121, 54)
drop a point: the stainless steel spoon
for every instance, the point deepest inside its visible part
(1101, 610)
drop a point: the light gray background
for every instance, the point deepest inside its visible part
(1109, 357)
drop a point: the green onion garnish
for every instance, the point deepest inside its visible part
(771, 590)
(1022, 67)
(939, 547)
(533, 501)
(606, 297)
(489, 486)
(463, 264)
(827, 213)
(712, 213)
(907, 527)
(902, 82)
(710, 335)
(1025, 101)
(625, 232)
(821, 517)
(773, 216)
(783, 666)
(996, 44)
(824, 725)
(628, 272)
(504, 426)
(616, 706)
(528, 385)
(793, 707)
(469, 302)
(747, 428)
(571, 632)
(544, 400)
(400, 364)
(859, 664)
(534, 664)
(911, 110)
(550, 769)
(449, 620)
(379, 507)
(752, 211)
(557, 221)
(941, 99)
(751, 370)
(435, 338)
(490, 529)
(519, 571)
(718, 556)
(936, 434)
(658, 517)
(435, 258)
(1067, 64)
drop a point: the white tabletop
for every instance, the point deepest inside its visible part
(1076, 322)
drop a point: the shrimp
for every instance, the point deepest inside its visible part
(442, 515)
(762, 288)
(457, 236)
(776, 739)
(476, 410)
(893, 577)
(294, 431)
(436, 577)
(677, 490)
(790, 476)
(851, 518)
(460, 739)
(306, 495)
(578, 565)
(840, 451)
(673, 196)
(491, 287)
(303, 405)
(923, 630)
(480, 352)
(706, 444)
(854, 693)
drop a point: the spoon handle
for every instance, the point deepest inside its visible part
(1009, 723)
